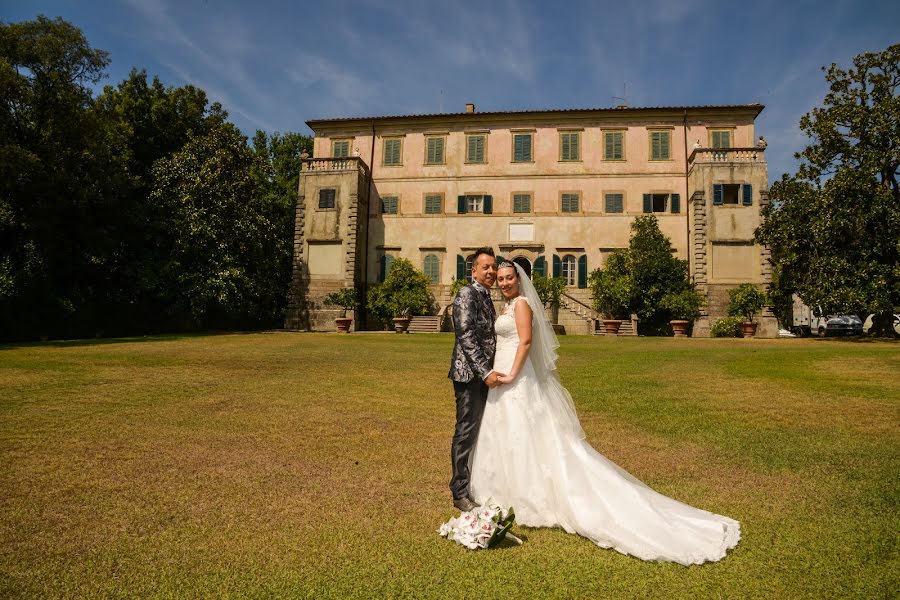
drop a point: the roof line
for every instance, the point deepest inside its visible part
(759, 108)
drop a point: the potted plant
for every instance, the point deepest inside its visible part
(611, 291)
(346, 300)
(744, 301)
(549, 290)
(684, 307)
(403, 293)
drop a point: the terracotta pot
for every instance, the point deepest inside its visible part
(748, 330)
(612, 326)
(343, 324)
(401, 324)
(679, 327)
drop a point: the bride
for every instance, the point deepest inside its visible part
(531, 454)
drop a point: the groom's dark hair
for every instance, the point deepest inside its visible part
(483, 250)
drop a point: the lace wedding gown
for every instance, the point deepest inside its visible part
(531, 455)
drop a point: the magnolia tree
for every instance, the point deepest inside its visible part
(833, 225)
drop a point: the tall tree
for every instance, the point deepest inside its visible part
(833, 226)
(56, 168)
(644, 273)
(278, 174)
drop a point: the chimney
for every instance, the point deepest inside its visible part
(470, 108)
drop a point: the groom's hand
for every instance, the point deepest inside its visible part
(493, 380)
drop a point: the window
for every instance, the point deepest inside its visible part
(474, 203)
(434, 150)
(720, 138)
(569, 202)
(569, 269)
(389, 205)
(387, 261)
(522, 143)
(570, 145)
(340, 148)
(327, 198)
(730, 193)
(433, 268)
(392, 152)
(434, 204)
(613, 145)
(614, 203)
(521, 203)
(475, 144)
(660, 145)
(661, 203)
(470, 260)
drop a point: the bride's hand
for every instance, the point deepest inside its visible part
(504, 379)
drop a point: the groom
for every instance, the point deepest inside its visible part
(471, 367)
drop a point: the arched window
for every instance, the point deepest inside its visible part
(569, 269)
(470, 260)
(433, 268)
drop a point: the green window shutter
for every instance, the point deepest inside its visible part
(432, 268)
(664, 145)
(564, 140)
(518, 148)
(582, 271)
(676, 203)
(460, 267)
(461, 205)
(539, 266)
(557, 266)
(388, 262)
(471, 145)
(488, 205)
(608, 151)
(527, 148)
(718, 194)
(648, 203)
(439, 152)
(382, 268)
(747, 190)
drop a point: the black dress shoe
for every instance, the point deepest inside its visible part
(464, 504)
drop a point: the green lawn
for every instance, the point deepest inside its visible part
(316, 465)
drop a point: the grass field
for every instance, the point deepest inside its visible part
(316, 465)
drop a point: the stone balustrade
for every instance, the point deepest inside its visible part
(722, 155)
(350, 163)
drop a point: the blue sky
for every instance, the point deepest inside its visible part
(274, 65)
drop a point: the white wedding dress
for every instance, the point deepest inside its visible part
(531, 455)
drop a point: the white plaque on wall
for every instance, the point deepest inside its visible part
(521, 232)
(325, 259)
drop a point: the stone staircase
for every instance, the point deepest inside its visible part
(626, 328)
(425, 324)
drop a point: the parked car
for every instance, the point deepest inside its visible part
(842, 325)
(806, 321)
(867, 325)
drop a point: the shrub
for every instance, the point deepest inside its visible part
(727, 327)
(404, 292)
(549, 289)
(745, 300)
(685, 304)
(457, 285)
(345, 298)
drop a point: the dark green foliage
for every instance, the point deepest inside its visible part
(345, 298)
(685, 304)
(141, 210)
(549, 289)
(637, 278)
(745, 300)
(833, 225)
(404, 292)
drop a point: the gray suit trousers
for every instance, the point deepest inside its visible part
(470, 400)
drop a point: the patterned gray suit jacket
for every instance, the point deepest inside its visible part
(473, 322)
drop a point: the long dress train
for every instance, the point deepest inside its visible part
(531, 455)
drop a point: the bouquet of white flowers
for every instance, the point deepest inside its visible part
(482, 527)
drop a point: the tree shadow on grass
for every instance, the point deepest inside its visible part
(158, 337)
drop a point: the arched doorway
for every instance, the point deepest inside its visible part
(524, 263)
